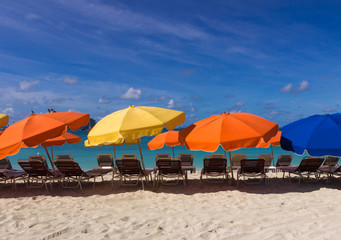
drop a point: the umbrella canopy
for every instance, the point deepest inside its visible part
(35, 129)
(170, 138)
(230, 130)
(319, 135)
(134, 122)
(3, 120)
(73, 120)
(275, 141)
(67, 137)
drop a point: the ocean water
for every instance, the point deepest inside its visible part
(87, 157)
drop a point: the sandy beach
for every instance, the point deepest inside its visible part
(282, 210)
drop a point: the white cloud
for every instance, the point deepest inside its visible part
(8, 111)
(70, 80)
(286, 88)
(304, 85)
(171, 104)
(237, 107)
(27, 85)
(103, 100)
(132, 93)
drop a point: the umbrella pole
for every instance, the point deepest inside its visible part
(144, 169)
(231, 169)
(47, 152)
(173, 152)
(114, 153)
(273, 159)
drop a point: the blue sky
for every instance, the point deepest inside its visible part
(279, 60)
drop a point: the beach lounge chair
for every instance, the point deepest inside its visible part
(131, 172)
(73, 172)
(268, 159)
(7, 173)
(162, 156)
(332, 161)
(283, 160)
(5, 164)
(37, 173)
(169, 169)
(12, 176)
(187, 162)
(235, 160)
(252, 168)
(214, 167)
(308, 166)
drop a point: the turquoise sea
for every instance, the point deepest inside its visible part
(86, 157)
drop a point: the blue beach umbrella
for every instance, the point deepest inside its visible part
(319, 135)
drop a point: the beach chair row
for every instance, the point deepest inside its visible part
(168, 171)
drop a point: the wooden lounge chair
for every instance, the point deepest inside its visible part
(162, 156)
(252, 168)
(73, 172)
(131, 172)
(12, 176)
(283, 160)
(7, 173)
(268, 159)
(235, 160)
(5, 164)
(187, 162)
(37, 173)
(214, 167)
(332, 161)
(308, 166)
(169, 169)
(56, 172)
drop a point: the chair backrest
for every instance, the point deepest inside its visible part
(69, 168)
(331, 160)
(129, 156)
(186, 159)
(255, 165)
(310, 164)
(129, 166)
(163, 156)
(34, 167)
(64, 157)
(40, 157)
(215, 165)
(5, 163)
(267, 159)
(284, 160)
(236, 158)
(168, 166)
(105, 160)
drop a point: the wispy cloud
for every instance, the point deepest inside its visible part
(70, 80)
(132, 93)
(27, 85)
(304, 85)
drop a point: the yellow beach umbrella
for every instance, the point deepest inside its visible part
(133, 123)
(3, 120)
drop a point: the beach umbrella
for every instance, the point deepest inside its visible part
(37, 128)
(318, 135)
(170, 139)
(274, 142)
(3, 120)
(133, 123)
(230, 130)
(67, 137)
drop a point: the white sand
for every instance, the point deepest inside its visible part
(280, 211)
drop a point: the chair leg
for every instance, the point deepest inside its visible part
(93, 187)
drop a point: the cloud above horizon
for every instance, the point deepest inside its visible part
(304, 85)
(132, 93)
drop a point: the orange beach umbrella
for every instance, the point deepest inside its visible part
(170, 138)
(230, 130)
(67, 137)
(37, 128)
(3, 119)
